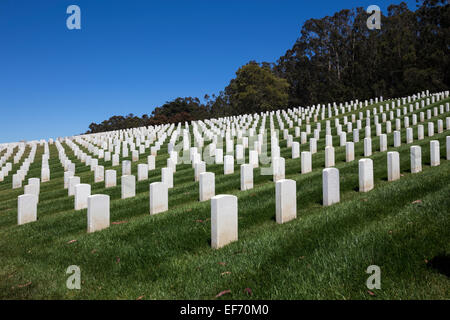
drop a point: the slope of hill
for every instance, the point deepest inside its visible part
(402, 226)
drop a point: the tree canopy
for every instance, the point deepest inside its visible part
(256, 88)
(335, 58)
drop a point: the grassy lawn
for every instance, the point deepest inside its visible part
(401, 226)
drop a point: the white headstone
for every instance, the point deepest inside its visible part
(393, 161)
(383, 142)
(312, 145)
(159, 197)
(420, 133)
(126, 167)
(278, 166)
(397, 139)
(435, 157)
(82, 192)
(253, 158)
(295, 150)
(367, 147)
(306, 163)
(365, 175)
(447, 142)
(135, 155)
(409, 135)
(167, 177)
(98, 212)
(99, 174)
(228, 165)
(206, 186)
(35, 181)
(330, 181)
(151, 162)
(286, 200)
(219, 156)
(128, 185)
(115, 160)
(26, 208)
(73, 181)
(32, 189)
(416, 159)
(349, 151)
(224, 220)
(45, 174)
(200, 167)
(142, 172)
(240, 155)
(246, 176)
(430, 129)
(67, 175)
(329, 157)
(110, 178)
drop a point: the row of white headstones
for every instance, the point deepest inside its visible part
(297, 113)
(160, 192)
(200, 166)
(224, 208)
(69, 166)
(22, 172)
(240, 148)
(253, 156)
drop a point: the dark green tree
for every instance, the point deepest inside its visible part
(256, 88)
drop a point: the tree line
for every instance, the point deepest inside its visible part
(335, 58)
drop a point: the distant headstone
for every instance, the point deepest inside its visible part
(306, 163)
(99, 174)
(151, 162)
(200, 167)
(110, 178)
(447, 144)
(206, 186)
(253, 158)
(295, 150)
(228, 166)
(73, 181)
(349, 151)
(246, 176)
(367, 147)
(278, 165)
(329, 157)
(126, 167)
(82, 192)
(142, 172)
(383, 142)
(128, 184)
(167, 177)
(45, 175)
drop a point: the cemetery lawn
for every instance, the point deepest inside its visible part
(401, 226)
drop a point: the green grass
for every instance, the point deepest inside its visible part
(323, 254)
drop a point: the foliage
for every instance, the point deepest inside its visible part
(336, 58)
(257, 89)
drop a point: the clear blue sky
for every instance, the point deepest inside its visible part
(131, 55)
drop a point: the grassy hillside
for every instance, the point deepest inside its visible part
(401, 226)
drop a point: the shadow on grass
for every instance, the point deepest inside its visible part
(441, 263)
